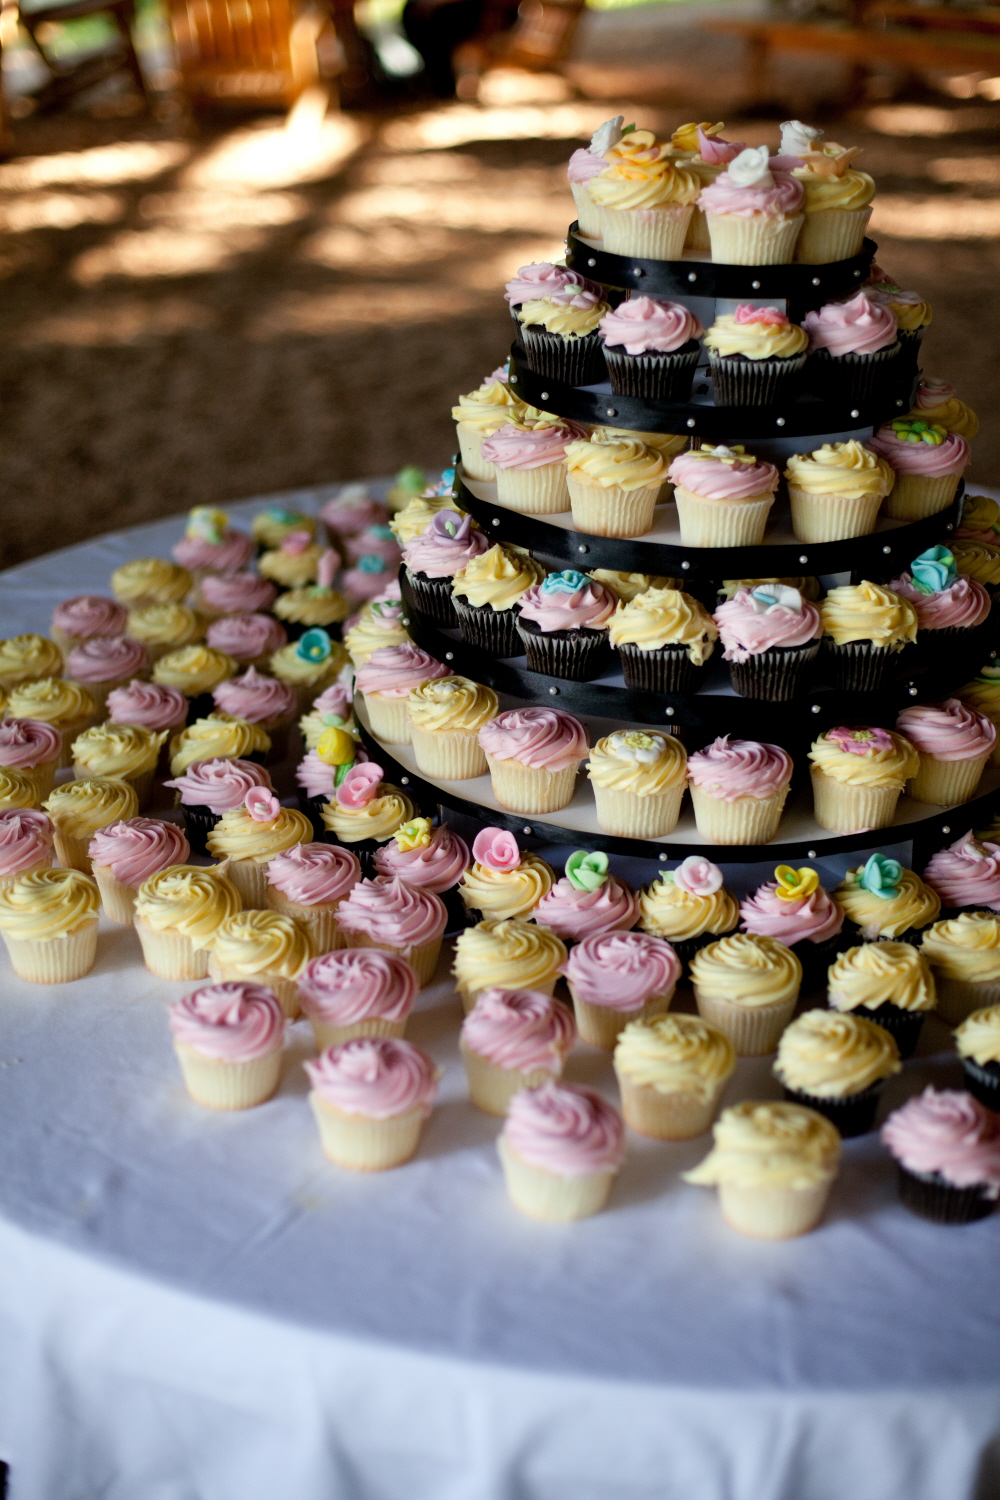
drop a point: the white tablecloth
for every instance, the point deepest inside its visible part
(199, 1307)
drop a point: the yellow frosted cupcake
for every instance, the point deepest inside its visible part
(773, 1165)
(754, 355)
(857, 776)
(883, 900)
(366, 811)
(28, 658)
(614, 486)
(638, 781)
(479, 415)
(312, 605)
(836, 1064)
(249, 835)
(664, 639)
(671, 1071)
(309, 665)
(177, 914)
(666, 444)
(864, 627)
(49, 923)
(837, 205)
(889, 983)
(747, 986)
(124, 752)
(194, 670)
(559, 331)
(163, 628)
(625, 586)
(964, 955)
(836, 491)
(502, 881)
(417, 515)
(294, 564)
(217, 736)
(445, 719)
(508, 955)
(644, 200)
(938, 402)
(65, 705)
(150, 580)
(262, 947)
(79, 808)
(983, 694)
(378, 624)
(271, 526)
(17, 790)
(978, 560)
(689, 907)
(485, 595)
(977, 1042)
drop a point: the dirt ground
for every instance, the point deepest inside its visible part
(202, 314)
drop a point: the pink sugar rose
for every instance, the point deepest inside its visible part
(497, 849)
(698, 876)
(359, 786)
(262, 805)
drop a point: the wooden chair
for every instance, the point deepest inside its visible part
(539, 40)
(248, 51)
(68, 76)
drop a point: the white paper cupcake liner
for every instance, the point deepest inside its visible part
(491, 1088)
(755, 241)
(832, 234)
(946, 782)
(118, 900)
(447, 753)
(365, 1145)
(747, 820)
(171, 955)
(831, 518)
(773, 1213)
(647, 233)
(327, 1035)
(469, 446)
(614, 511)
(388, 718)
(851, 809)
(55, 960)
(522, 789)
(721, 523)
(667, 1117)
(602, 1025)
(588, 215)
(754, 1030)
(631, 817)
(543, 1195)
(534, 492)
(217, 1084)
(913, 496)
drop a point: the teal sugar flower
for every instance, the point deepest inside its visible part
(315, 646)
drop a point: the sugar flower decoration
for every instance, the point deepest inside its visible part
(497, 849)
(795, 885)
(860, 741)
(413, 835)
(587, 870)
(262, 805)
(336, 747)
(698, 876)
(206, 524)
(881, 876)
(315, 646)
(360, 784)
(933, 570)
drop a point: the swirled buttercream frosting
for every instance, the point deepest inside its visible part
(675, 1054)
(232, 1021)
(374, 1076)
(565, 1129)
(137, 848)
(832, 1054)
(519, 1030)
(622, 970)
(769, 1145)
(870, 975)
(358, 984)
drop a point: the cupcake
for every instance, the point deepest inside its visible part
(351, 510)
(309, 665)
(966, 875)
(534, 755)
(563, 625)
(386, 681)
(754, 214)
(486, 594)
(625, 586)
(853, 347)
(936, 401)
(69, 708)
(479, 415)
(196, 671)
(947, 605)
(583, 166)
(322, 770)
(32, 748)
(836, 491)
(83, 617)
(773, 1165)
(857, 776)
(162, 628)
(689, 907)
(980, 519)
(331, 710)
(508, 954)
(723, 496)
(588, 900)
(929, 462)
(217, 737)
(210, 545)
(964, 955)
(954, 742)
(79, 808)
(513, 1040)
(981, 561)
(309, 882)
(769, 635)
(357, 992)
(263, 947)
(754, 355)
(445, 719)
(747, 986)
(503, 881)
(177, 914)
(615, 978)
(25, 843)
(208, 788)
(889, 983)
(17, 790)
(530, 465)
(977, 1042)
(365, 812)
(651, 349)
(645, 202)
(397, 918)
(380, 625)
(122, 751)
(433, 859)
(234, 594)
(560, 1149)
(260, 700)
(150, 580)
(883, 901)
(614, 485)
(865, 627)
(638, 780)
(706, 155)
(837, 205)
(104, 663)
(228, 1039)
(739, 788)
(28, 658)
(124, 855)
(370, 1097)
(295, 562)
(913, 314)
(947, 1148)
(48, 920)
(313, 605)
(672, 1071)
(249, 835)
(271, 526)
(414, 518)
(148, 705)
(664, 639)
(433, 558)
(796, 910)
(410, 481)
(837, 1064)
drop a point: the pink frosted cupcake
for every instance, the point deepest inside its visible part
(333, 709)
(370, 1098)
(433, 859)
(534, 755)
(374, 541)
(398, 918)
(209, 545)
(511, 1040)
(563, 623)
(84, 617)
(433, 558)
(852, 348)
(250, 639)
(587, 901)
(928, 460)
(33, 748)
(738, 788)
(542, 278)
(386, 680)
(966, 875)
(947, 604)
(754, 214)
(149, 705)
(235, 594)
(125, 854)
(770, 634)
(260, 700)
(106, 662)
(352, 510)
(308, 882)
(954, 743)
(651, 349)
(723, 496)
(368, 577)
(26, 841)
(617, 977)
(560, 1149)
(530, 466)
(947, 1148)
(795, 909)
(209, 788)
(229, 1038)
(583, 166)
(357, 992)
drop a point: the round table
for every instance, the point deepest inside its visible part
(200, 1307)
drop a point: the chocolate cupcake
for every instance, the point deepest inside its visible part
(560, 335)
(754, 355)
(770, 634)
(977, 1042)
(486, 596)
(947, 1148)
(664, 639)
(889, 983)
(853, 348)
(563, 624)
(209, 788)
(446, 546)
(651, 349)
(837, 1065)
(865, 627)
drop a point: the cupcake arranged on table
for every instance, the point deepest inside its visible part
(322, 770)
(508, 954)
(177, 914)
(210, 545)
(853, 347)
(889, 983)
(296, 562)
(313, 604)
(150, 580)
(614, 485)
(672, 1071)
(651, 349)
(883, 901)
(309, 882)
(503, 880)
(107, 662)
(217, 736)
(124, 855)
(754, 214)
(79, 808)
(977, 1042)
(530, 465)
(739, 788)
(981, 561)
(196, 671)
(964, 955)
(381, 624)
(25, 843)
(234, 594)
(445, 719)
(365, 812)
(913, 314)
(208, 788)
(774, 1165)
(479, 415)
(638, 780)
(947, 1148)
(262, 947)
(966, 875)
(588, 900)
(560, 1149)
(747, 986)
(260, 700)
(17, 790)
(122, 751)
(28, 658)
(309, 665)
(769, 635)
(69, 708)
(754, 355)
(447, 545)
(249, 835)
(865, 627)
(836, 1063)
(403, 919)
(954, 742)
(48, 921)
(836, 491)
(837, 205)
(563, 625)
(689, 907)
(357, 992)
(857, 776)
(228, 1039)
(370, 1098)
(486, 594)
(351, 510)
(929, 462)
(795, 909)
(148, 704)
(723, 496)
(385, 683)
(533, 756)
(616, 978)
(664, 639)
(32, 748)
(936, 401)
(84, 616)
(432, 859)
(644, 200)
(249, 639)
(583, 166)
(162, 628)
(513, 1040)
(947, 605)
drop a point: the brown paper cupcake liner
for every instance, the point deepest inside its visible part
(859, 666)
(492, 630)
(930, 1196)
(774, 675)
(579, 655)
(851, 377)
(669, 669)
(853, 1115)
(983, 1082)
(433, 598)
(903, 1025)
(739, 381)
(573, 361)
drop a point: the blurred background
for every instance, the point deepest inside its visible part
(254, 244)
